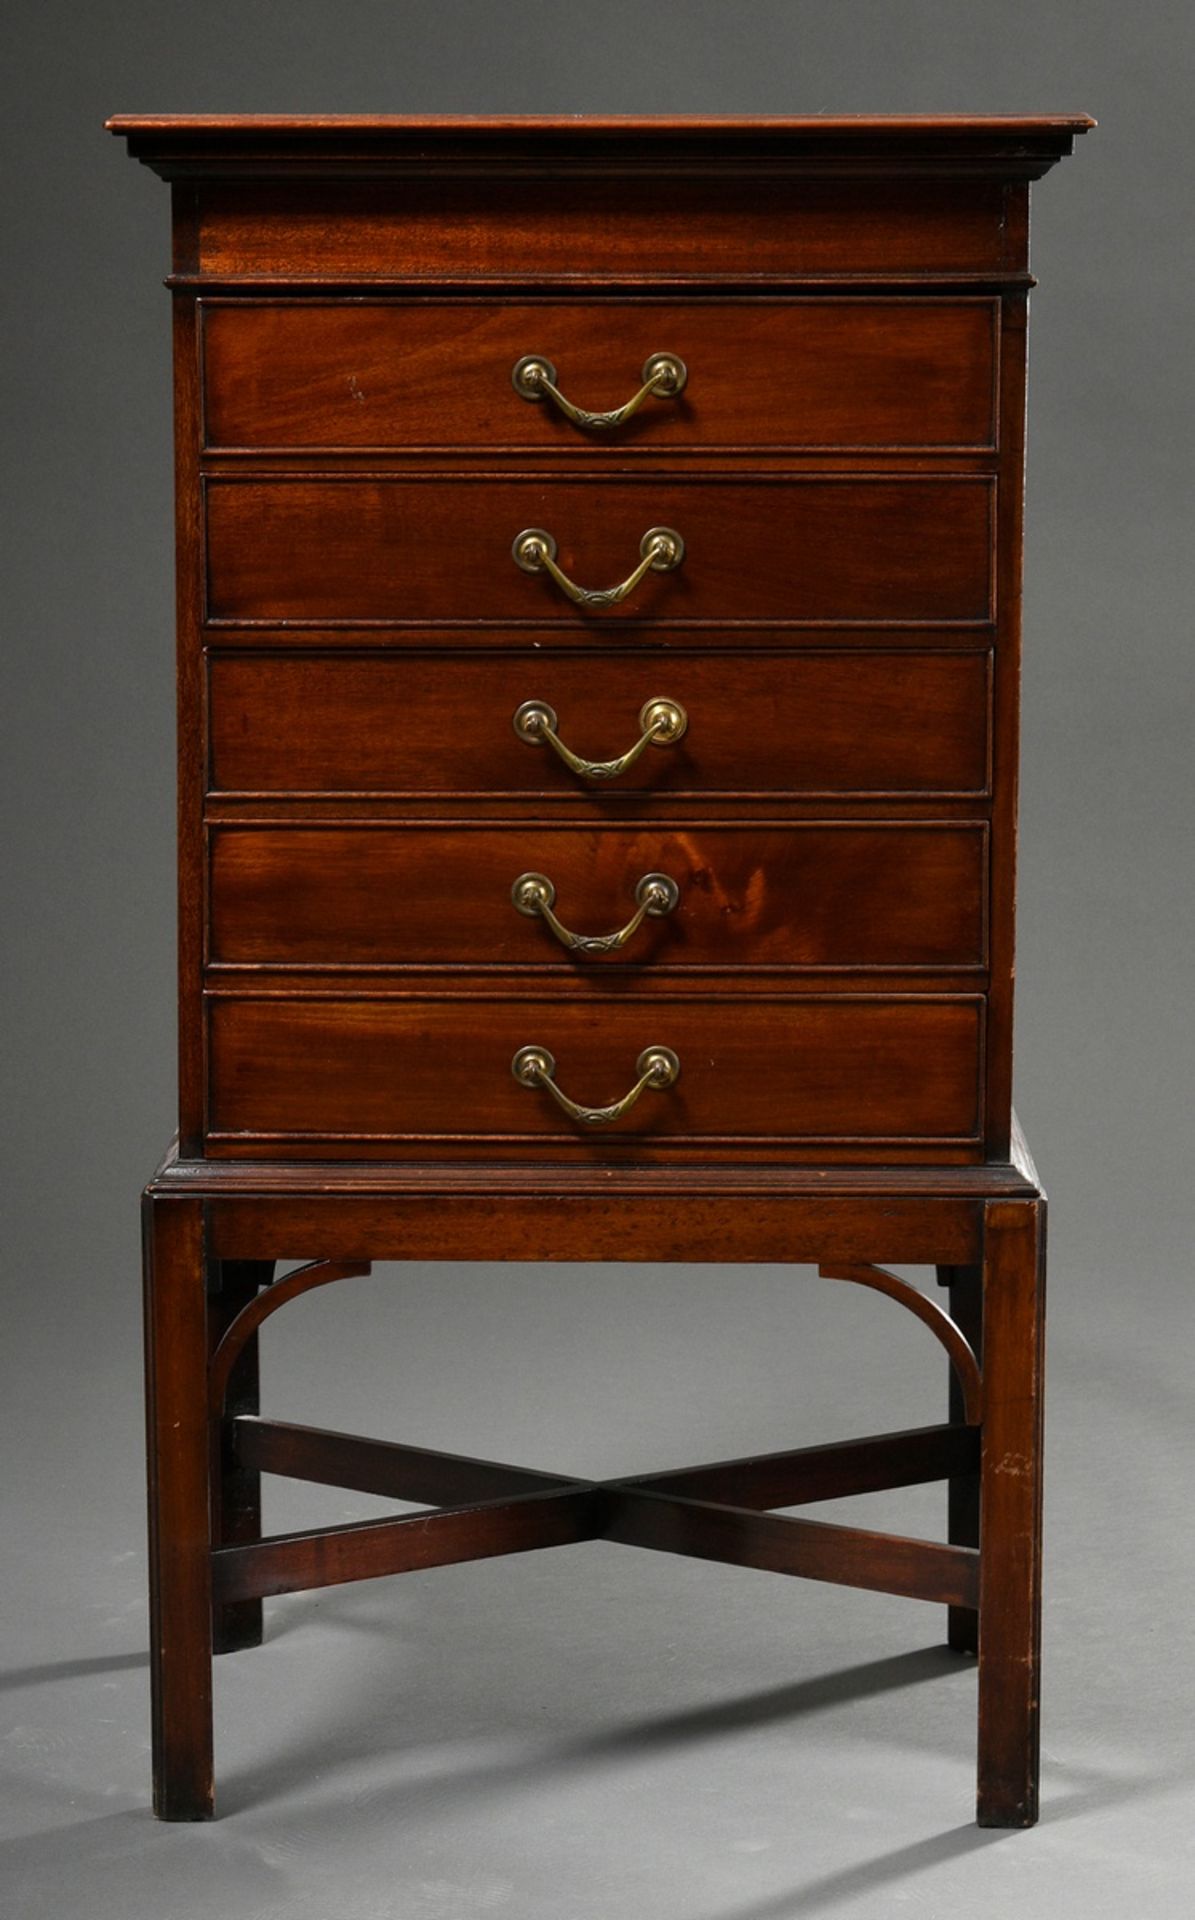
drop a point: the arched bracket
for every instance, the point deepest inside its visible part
(943, 1328)
(288, 1286)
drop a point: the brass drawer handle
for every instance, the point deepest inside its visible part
(534, 894)
(656, 1067)
(663, 722)
(534, 378)
(662, 550)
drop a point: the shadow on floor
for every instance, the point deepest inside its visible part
(869, 1876)
(54, 1670)
(324, 1747)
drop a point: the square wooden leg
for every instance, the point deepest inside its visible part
(236, 1490)
(179, 1508)
(1011, 1513)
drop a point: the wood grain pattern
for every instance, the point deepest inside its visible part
(704, 1220)
(430, 1477)
(580, 223)
(867, 1070)
(814, 1549)
(1007, 712)
(437, 550)
(526, 1182)
(816, 723)
(807, 1474)
(328, 1556)
(318, 132)
(919, 1213)
(763, 374)
(801, 897)
(189, 710)
(797, 1477)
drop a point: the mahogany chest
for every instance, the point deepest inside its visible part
(599, 587)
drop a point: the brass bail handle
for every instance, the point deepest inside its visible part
(661, 550)
(657, 1067)
(663, 722)
(664, 376)
(535, 895)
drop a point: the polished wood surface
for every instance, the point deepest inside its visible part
(1010, 1516)
(799, 897)
(851, 533)
(179, 1454)
(785, 1071)
(317, 131)
(587, 226)
(869, 722)
(438, 550)
(771, 375)
(845, 465)
(567, 1211)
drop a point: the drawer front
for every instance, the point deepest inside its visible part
(611, 221)
(304, 1073)
(436, 551)
(861, 722)
(807, 896)
(763, 375)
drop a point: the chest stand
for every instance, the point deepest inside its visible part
(213, 1236)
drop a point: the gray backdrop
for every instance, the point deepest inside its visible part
(597, 1733)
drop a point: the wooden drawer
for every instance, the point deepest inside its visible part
(632, 221)
(863, 721)
(368, 1075)
(432, 550)
(792, 897)
(763, 375)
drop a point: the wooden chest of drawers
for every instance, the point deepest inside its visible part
(599, 566)
(831, 327)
